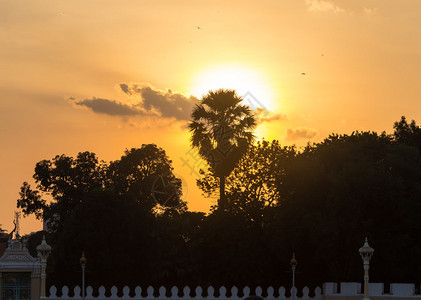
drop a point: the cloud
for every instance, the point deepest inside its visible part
(108, 107)
(340, 6)
(264, 115)
(323, 6)
(166, 103)
(369, 11)
(145, 101)
(125, 88)
(298, 133)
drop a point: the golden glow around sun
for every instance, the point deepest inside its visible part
(249, 84)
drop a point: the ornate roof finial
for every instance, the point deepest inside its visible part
(16, 229)
(17, 217)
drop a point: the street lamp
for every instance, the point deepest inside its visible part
(293, 263)
(43, 251)
(83, 264)
(366, 253)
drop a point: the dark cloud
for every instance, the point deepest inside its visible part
(108, 107)
(151, 102)
(264, 115)
(294, 134)
(166, 103)
(125, 88)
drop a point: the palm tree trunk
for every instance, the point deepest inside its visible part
(222, 203)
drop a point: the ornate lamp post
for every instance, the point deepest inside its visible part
(83, 264)
(43, 252)
(366, 253)
(293, 263)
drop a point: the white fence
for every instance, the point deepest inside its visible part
(186, 294)
(331, 290)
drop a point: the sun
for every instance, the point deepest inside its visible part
(249, 84)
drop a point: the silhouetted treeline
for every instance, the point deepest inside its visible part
(320, 202)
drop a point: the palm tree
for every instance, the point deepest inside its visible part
(222, 130)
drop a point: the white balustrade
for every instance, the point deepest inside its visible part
(350, 290)
(188, 293)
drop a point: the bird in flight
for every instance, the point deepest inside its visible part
(198, 27)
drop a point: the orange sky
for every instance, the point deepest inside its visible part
(361, 60)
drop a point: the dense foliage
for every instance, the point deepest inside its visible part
(320, 202)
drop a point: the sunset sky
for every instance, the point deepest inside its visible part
(106, 75)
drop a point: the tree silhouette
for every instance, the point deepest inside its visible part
(68, 180)
(409, 134)
(253, 185)
(222, 130)
(140, 171)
